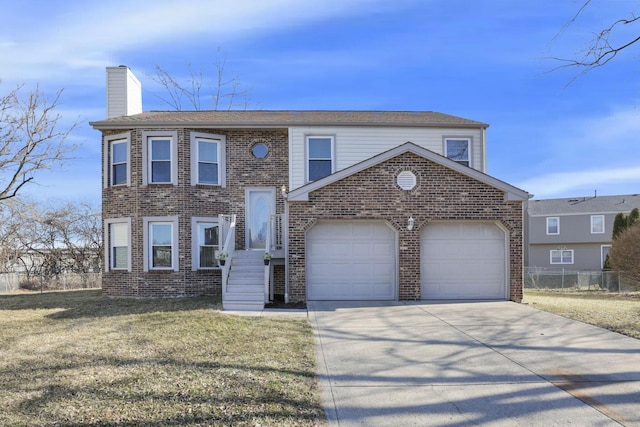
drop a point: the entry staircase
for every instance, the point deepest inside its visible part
(246, 281)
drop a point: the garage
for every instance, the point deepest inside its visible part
(463, 260)
(351, 260)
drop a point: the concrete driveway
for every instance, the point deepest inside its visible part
(468, 363)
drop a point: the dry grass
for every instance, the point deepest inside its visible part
(615, 312)
(78, 359)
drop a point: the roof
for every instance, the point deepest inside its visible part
(584, 205)
(265, 118)
(301, 194)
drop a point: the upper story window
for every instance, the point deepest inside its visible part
(561, 256)
(597, 224)
(119, 161)
(320, 157)
(205, 234)
(553, 225)
(457, 149)
(117, 167)
(208, 168)
(207, 159)
(118, 236)
(160, 158)
(160, 243)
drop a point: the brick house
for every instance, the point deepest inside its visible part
(349, 205)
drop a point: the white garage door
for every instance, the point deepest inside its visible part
(463, 260)
(351, 260)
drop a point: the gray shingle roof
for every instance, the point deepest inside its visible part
(265, 118)
(583, 205)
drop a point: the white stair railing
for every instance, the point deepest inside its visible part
(229, 247)
(267, 266)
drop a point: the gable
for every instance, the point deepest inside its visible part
(511, 193)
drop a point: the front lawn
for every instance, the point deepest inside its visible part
(77, 358)
(616, 312)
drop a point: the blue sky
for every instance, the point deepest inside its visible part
(485, 60)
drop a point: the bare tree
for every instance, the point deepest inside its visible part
(605, 45)
(30, 138)
(48, 241)
(625, 254)
(222, 93)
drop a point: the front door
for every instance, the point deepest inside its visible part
(260, 205)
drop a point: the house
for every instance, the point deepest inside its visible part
(573, 233)
(350, 205)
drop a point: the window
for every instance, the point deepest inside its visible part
(116, 169)
(597, 224)
(553, 225)
(260, 150)
(205, 233)
(119, 160)
(457, 149)
(208, 172)
(319, 157)
(160, 158)
(604, 253)
(160, 244)
(118, 238)
(207, 159)
(561, 256)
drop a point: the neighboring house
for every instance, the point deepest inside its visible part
(351, 205)
(573, 233)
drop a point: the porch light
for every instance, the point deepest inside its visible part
(283, 191)
(410, 222)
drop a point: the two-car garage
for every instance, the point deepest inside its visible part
(357, 260)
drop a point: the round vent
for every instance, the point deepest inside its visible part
(406, 180)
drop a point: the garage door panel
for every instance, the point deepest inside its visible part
(463, 260)
(351, 260)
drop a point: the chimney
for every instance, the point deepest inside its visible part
(124, 92)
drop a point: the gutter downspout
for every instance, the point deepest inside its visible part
(484, 150)
(285, 229)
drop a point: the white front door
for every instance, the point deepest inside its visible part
(260, 205)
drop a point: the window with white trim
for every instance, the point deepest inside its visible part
(561, 256)
(553, 225)
(457, 149)
(119, 159)
(604, 253)
(597, 224)
(208, 159)
(160, 158)
(320, 157)
(205, 234)
(161, 243)
(118, 238)
(117, 165)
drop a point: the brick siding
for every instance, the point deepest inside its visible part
(372, 194)
(440, 194)
(186, 201)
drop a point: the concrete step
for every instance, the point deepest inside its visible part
(245, 296)
(248, 254)
(243, 288)
(242, 306)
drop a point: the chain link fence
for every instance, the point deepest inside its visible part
(585, 280)
(64, 281)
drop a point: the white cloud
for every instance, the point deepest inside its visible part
(89, 37)
(569, 183)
